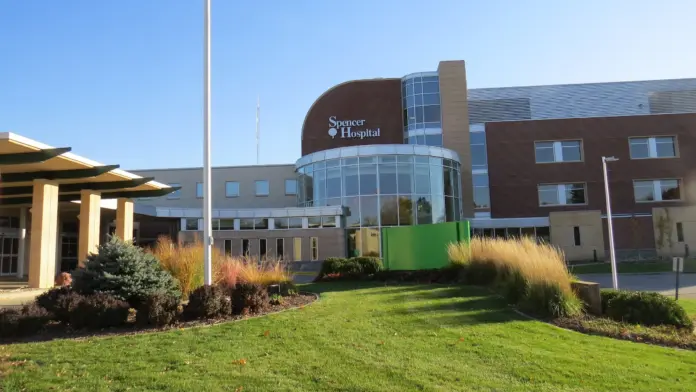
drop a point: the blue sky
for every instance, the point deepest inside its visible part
(121, 81)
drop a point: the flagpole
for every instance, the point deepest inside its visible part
(258, 135)
(207, 204)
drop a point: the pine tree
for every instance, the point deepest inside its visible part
(125, 271)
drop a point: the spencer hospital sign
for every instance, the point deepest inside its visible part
(350, 129)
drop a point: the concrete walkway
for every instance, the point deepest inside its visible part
(663, 282)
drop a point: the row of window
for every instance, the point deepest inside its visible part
(576, 193)
(313, 222)
(261, 188)
(571, 150)
(242, 248)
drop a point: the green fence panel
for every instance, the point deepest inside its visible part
(422, 246)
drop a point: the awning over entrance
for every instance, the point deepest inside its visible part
(23, 160)
(36, 178)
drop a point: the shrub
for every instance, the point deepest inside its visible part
(61, 301)
(249, 298)
(9, 322)
(157, 310)
(28, 320)
(355, 266)
(605, 296)
(646, 308)
(368, 265)
(276, 299)
(100, 310)
(64, 279)
(229, 273)
(124, 271)
(549, 300)
(331, 265)
(288, 288)
(529, 274)
(264, 273)
(208, 302)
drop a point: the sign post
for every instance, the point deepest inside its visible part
(678, 267)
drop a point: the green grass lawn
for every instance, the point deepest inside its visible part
(690, 306)
(629, 267)
(358, 337)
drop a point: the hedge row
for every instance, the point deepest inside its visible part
(334, 267)
(646, 308)
(101, 310)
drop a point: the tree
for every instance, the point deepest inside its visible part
(125, 271)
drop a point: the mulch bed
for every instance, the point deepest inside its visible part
(58, 331)
(665, 336)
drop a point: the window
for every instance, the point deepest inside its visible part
(232, 189)
(280, 248)
(652, 147)
(297, 248)
(245, 248)
(246, 224)
(314, 222)
(328, 221)
(561, 194)
(228, 247)
(290, 187)
(262, 249)
(558, 151)
(656, 190)
(191, 224)
(482, 197)
(295, 223)
(478, 150)
(262, 188)
(199, 190)
(280, 223)
(680, 232)
(576, 235)
(315, 248)
(176, 194)
(226, 224)
(261, 224)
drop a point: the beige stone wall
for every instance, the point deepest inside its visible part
(562, 225)
(455, 123)
(245, 175)
(665, 221)
(331, 242)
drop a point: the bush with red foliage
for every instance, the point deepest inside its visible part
(249, 298)
(158, 310)
(100, 310)
(61, 301)
(208, 302)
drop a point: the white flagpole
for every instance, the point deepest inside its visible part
(207, 204)
(258, 129)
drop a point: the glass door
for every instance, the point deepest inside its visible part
(8, 255)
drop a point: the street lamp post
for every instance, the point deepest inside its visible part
(207, 203)
(612, 255)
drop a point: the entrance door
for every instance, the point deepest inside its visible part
(8, 255)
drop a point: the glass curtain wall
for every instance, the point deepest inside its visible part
(421, 104)
(383, 190)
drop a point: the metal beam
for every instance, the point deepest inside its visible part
(57, 174)
(125, 194)
(32, 157)
(103, 186)
(72, 188)
(105, 195)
